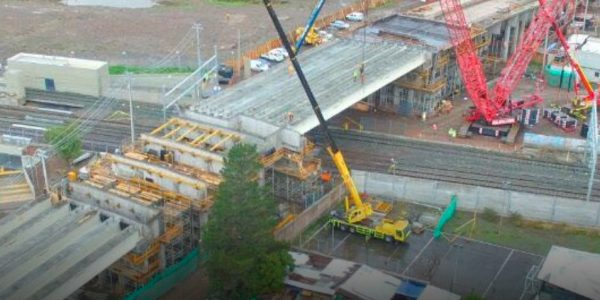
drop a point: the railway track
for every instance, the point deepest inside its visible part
(103, 135)
(463, 165)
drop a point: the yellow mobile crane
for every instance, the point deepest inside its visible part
(359, 215)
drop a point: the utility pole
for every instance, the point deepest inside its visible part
(545, 52)
(592, 140)
(130, 108)
(198, 28)
(587, 2)
(239, 53)
(42, 156)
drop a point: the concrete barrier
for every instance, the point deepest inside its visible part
(473, 198)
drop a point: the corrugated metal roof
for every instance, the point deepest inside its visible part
(573, 270)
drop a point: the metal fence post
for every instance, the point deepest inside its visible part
(598, 216)
(553, 209)
(434, 194)
(476, 208)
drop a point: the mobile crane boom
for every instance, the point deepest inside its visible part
(571, 59)
(360, 210)
(309, 24)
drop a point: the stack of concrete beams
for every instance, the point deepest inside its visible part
(49, 252)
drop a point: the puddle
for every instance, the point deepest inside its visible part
(112, 3)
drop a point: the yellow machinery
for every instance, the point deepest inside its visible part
(359, 215)
(312, 37)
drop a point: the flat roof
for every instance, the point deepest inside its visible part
(591, 45)
(427, 32)
(58, 61)
(434, 293)
(372, 284)
(485, 13)
(573, 270)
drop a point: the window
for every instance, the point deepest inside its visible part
(49, 84)
(597, 74)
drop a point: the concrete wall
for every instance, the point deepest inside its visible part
(85, 81)
(168, 183)
(308, 216)
(531, 206)
(146, 217)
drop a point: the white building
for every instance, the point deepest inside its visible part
(588, 57)
(55, 73)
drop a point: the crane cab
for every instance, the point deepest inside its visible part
(394, 230)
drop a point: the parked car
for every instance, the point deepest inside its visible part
(273, 56)
(258, 65)
(339, 24)
(225, 73)
(355, 16)
(280, 51)
(325, 35)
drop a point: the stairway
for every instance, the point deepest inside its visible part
(15, 191)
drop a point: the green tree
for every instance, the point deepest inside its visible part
(244, 259)
(65, 140)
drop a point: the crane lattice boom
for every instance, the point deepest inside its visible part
(492, 106)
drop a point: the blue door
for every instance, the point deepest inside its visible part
(50, 85)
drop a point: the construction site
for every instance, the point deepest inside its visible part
(415, 149)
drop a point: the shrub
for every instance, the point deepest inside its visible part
(490, 215)
(515, 218)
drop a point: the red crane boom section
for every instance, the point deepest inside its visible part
(471, 69)
(572, 61)
(491, 106)
(532, 39)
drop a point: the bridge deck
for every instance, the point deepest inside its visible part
(329, 69)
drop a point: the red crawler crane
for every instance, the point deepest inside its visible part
(492, 107)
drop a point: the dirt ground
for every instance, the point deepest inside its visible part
(424, 129)
(49, 27)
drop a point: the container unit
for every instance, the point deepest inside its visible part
(560, 76)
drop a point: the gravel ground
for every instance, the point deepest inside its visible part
(49, 27)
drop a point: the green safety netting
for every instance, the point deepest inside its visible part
(167, 279)
(445, 217)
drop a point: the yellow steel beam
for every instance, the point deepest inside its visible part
(181, 137)
(223, 140)
(157, 170)
(163, 126)
(4, 172)
(199, 140)
(172, 132)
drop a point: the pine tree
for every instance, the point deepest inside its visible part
(244, 259)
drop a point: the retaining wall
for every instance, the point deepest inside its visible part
(530, 206)
(320, 208)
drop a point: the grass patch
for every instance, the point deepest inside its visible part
(311, 229)
(532, 236)
(122, 69)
